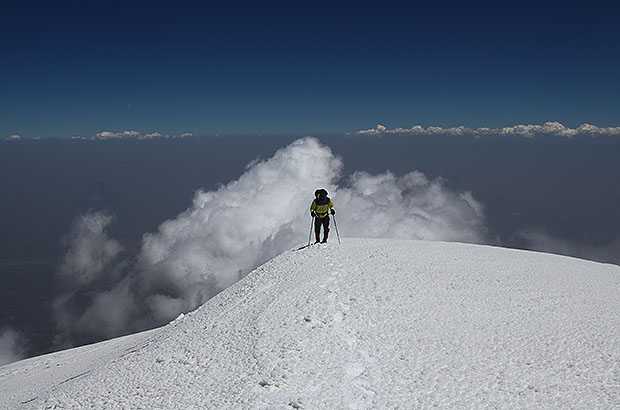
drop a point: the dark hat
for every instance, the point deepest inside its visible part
(320, 192)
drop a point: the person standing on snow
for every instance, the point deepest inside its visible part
(319, 210)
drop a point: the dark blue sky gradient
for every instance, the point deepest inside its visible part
(316, 67)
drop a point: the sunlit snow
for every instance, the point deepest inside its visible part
(366, 324)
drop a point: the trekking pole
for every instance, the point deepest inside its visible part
(310, 234)
(336, 226)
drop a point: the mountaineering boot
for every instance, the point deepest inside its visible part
(318, 238)
(325, 238)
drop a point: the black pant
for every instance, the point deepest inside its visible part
(321, 221)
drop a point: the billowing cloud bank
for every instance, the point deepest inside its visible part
(227, 232)
(552, 128)
(411, 207)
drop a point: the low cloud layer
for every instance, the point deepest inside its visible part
(552, 128)
(227, 232)
(12, 346)
(109, 135)
(531, 131)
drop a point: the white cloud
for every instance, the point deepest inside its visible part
(124, 134)
(12, 346)
(411, 207)
(417, 130)
(152, 135)
(552, 128)
(14, 137)
(90, 251)
(108, 135)
(227, 232)
(90, 270)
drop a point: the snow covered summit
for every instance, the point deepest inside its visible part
(366, 324)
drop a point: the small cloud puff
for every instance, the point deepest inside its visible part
(14, 137)
(551, 128)
(12, 345)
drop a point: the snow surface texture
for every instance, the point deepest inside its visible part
(367, 324)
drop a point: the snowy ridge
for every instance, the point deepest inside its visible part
(366, 324)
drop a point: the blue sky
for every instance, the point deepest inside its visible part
(297, 68)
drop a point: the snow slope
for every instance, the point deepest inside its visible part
(366, 324)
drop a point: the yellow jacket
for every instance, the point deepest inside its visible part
(321, 206)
